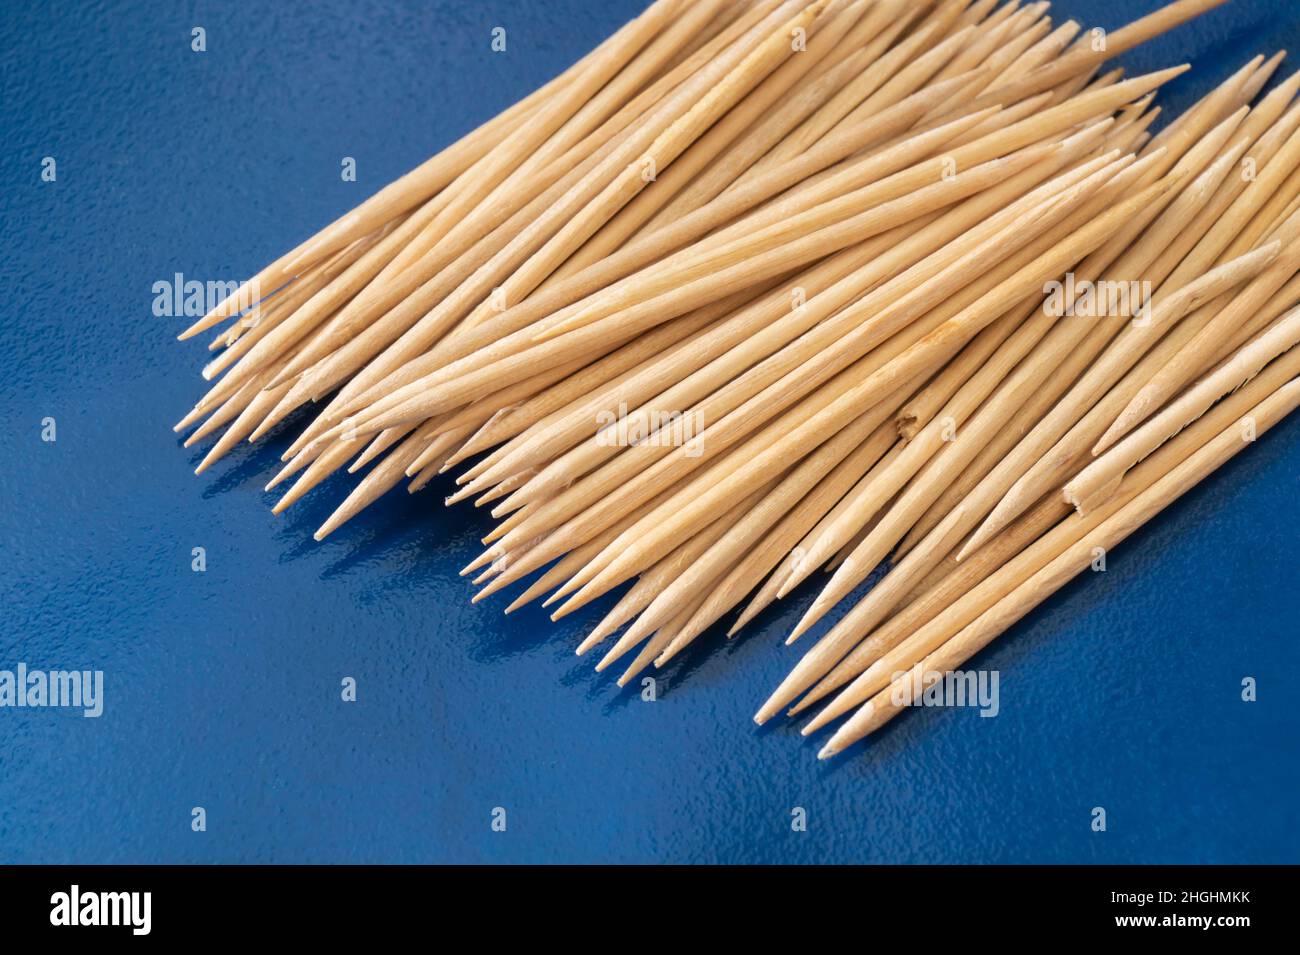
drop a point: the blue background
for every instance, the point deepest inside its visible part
(223, 687)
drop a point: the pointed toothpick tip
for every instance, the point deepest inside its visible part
(203, 324)
(813, 614)
(486, 557)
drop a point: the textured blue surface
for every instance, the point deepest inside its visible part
(223, 687)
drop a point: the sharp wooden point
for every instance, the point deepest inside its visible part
(489, 555)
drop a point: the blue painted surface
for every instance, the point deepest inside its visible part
(223, 687)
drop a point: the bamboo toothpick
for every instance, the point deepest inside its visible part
(996, 617)
(820, 233)
(1099, 479)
